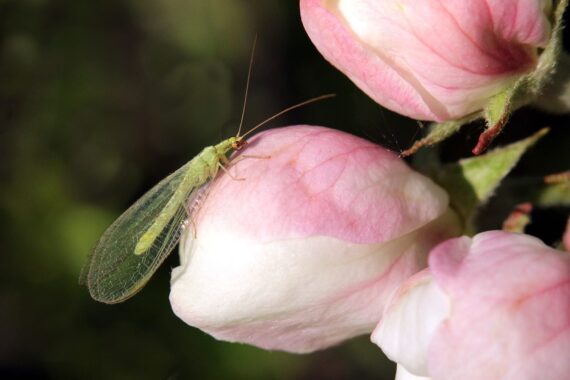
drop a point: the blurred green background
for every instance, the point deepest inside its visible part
(99, 101)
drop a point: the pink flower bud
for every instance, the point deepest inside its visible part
(493, 307)
(430, 59)
(300, 254)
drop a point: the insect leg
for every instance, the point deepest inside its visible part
(230, 174)
(236, 160)
(243, 156)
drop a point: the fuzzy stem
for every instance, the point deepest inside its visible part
(555, 97)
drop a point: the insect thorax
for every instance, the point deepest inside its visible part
(225, 146)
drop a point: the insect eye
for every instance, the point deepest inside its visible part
(240, 144)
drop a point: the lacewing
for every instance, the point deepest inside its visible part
(133, 247)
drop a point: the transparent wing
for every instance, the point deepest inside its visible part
(114, 272)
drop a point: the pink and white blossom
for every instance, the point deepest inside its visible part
(302, 253)
(496, 306)
(430, 59)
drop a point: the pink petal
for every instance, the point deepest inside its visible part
(434, 59)
(511, 309)
(343, 186)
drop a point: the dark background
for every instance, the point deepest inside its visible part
(99, 100)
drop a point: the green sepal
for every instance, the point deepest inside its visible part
(552, 195)
(472, 181)
(536, 191)
(498, 106)
(519, 218)
(437, 132)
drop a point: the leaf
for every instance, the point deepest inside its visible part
(472, 181)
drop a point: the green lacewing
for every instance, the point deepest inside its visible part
(130, 251)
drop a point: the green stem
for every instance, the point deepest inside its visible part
(555, 97)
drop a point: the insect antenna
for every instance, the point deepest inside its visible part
(308, 101)
(247, 84)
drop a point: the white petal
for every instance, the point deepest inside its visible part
(296, 295)
(409, 321)
(403, 374)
